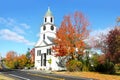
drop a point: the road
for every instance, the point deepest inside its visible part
(31, 75)
(36, 75)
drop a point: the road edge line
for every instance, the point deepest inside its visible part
(19, 77)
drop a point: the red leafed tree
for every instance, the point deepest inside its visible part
(32, 52)
(113, 42)
(71, 35)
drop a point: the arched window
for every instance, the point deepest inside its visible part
(44, 36)
(44, 27)
(52, 27)
(45, 19)
(51, 19)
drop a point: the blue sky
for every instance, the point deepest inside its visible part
(20, 20)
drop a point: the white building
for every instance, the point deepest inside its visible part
(44, 57)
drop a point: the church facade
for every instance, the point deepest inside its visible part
(44, 56)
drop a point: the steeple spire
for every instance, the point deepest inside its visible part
(48, 13)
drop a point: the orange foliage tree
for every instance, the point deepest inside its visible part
(71, 35)
(11, 59)
(22, 61)
(14, 61)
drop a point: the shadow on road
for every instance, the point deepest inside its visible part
(6, 70)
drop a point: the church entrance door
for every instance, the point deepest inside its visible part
(43, 59)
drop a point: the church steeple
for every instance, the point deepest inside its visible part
(48, 18)
(47, 29)
(48, 13)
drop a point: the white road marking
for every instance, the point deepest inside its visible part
(19, 77)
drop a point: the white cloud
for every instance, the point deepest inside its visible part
(9, 35)
(18, 30)
(97, 33)
(14, 25)
(26, 26)
(10, 22)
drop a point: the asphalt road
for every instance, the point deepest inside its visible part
(32, 75)
(36, 75)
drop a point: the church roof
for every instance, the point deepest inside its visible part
(45, 43)
(48, 13)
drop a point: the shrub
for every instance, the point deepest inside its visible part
(106, 67)
(117, 67)
(85, 68)
(74, 65)
(94, 62)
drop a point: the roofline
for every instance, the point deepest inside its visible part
(43, 46)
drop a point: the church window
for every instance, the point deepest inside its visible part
(51, 19)
(41, 59)
(48, 51)
(44, 60)
(44, 27)
(52, 27)
(43, 36)
(38, 52)
(45, 19)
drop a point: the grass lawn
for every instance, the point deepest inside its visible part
(2, 77)
(94, 75)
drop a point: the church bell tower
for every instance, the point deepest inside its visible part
(48, 29)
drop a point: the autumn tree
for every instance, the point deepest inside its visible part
(11, 59)
(32, 52)
(14, 61)
(110, 46)
(22, 61)
(71, 35)
(100, 43)
(30, 58)
(113, 42)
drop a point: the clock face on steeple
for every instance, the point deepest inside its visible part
(44, 27)
(52, 27)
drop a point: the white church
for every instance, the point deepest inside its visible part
(44, 56)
